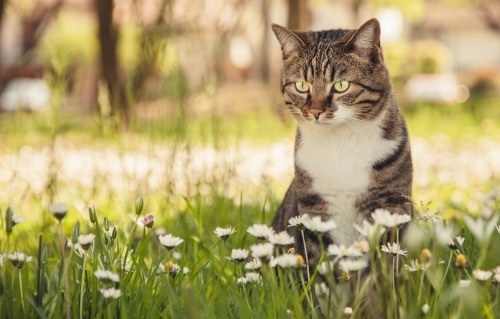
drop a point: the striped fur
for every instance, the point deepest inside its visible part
(355, 157)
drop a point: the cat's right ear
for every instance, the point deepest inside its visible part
(289, 40)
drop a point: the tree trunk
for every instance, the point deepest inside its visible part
(108, 39)
(265, 42)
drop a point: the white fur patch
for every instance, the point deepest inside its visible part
(339, 159)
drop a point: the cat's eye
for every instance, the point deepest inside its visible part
(341, 86)
(301, 87)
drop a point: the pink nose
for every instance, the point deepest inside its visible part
(316, 113)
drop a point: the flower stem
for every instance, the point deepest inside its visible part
(81, 285)
(21, 286)
(421, 286)
(65, 272)
(305, 254)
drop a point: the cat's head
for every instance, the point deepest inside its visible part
(333, 77)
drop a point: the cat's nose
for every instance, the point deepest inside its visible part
(316, 112)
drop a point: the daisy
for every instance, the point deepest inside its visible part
(170, 241)
(425, 309)
(262, 251)
(353, 265)
(316, 225)
(370, 231)
(111, 293)
(298, 221)
(58, 210)
(253, 265)
(321, 290)
(386, 218)
(496, 278)
(18, 259)
(415, 266)
(238, 255)
(394, 249)
(281, 239)
(176, 255)
(348, 310)
(464, 283)
(242, 281)
(343, 251)
(496, 270)
(253, 277)
(260, 231)
(287, 261)
(362, 246)
(161, 269)
(85, 241)
(482, 275)
(481, 229)
(224, 233)
(2, 256)
(325, 267)
(185, 270)
(106, 276)
(148, 220)
(460, 241)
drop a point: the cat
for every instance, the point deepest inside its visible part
(352, 150)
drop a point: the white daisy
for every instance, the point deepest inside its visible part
(111, 293)
(262, 251)
(2, 256)
(325, 267)
(107, 276)
(224, 233)
(18, 259)
(370, 231)
(464, 283)
(425, 309)
(85, 241)
(460, 241)
(161, 269)
(415, 266)
(260, 231)
(170, 241)
(496, 278)
(352, 265)
(386, 218)
(481, 229)
(362, 246)
(496, 270)
(253, 265)
(185, 270)
(172, 268)
(348, 311)
(394, 249)
(281, 239)
(176, 255)
(238, 255)
(316, 225)
(321, 290)
(482, 275)
(287, 261)
(59, 210)
(298, 221)
(343, 251)
(242, 281)
(253, 277)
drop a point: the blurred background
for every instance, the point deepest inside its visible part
(178, 101)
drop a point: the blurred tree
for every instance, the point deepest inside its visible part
(299, 15)
(108, 38)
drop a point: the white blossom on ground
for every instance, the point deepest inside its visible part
(370, 231)
(59, 210)
(464, 283)
(482, 275)
(362, 246)
(107, 276)
(481, 229)
(262, 251)
(185, 270)
(315, 224)
(238, 255)
(460, 241)
(18, 259)
(260, 231)
(348, 310)
(111, 293)
(325, 267)
(253, 277)
(415, 266)
(85, 241)
(394, 249)
(343, 251)
(387, 219)
(253, 265)
(353, 265)
(170, 241)
(321, 290)
(287, 261)
(425, 309)
(281, 239)
(298, 221)
(224, 233)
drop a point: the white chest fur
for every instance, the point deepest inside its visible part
(339, 160)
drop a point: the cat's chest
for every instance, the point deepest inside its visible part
(339, 163)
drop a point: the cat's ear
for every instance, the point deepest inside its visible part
(290, 42)
(366, 40)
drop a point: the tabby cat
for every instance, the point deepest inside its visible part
(352, 151)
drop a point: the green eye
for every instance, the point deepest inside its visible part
(301, 87)
(341, 86)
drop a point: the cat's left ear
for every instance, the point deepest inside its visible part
(366, 41)
(290, 42)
